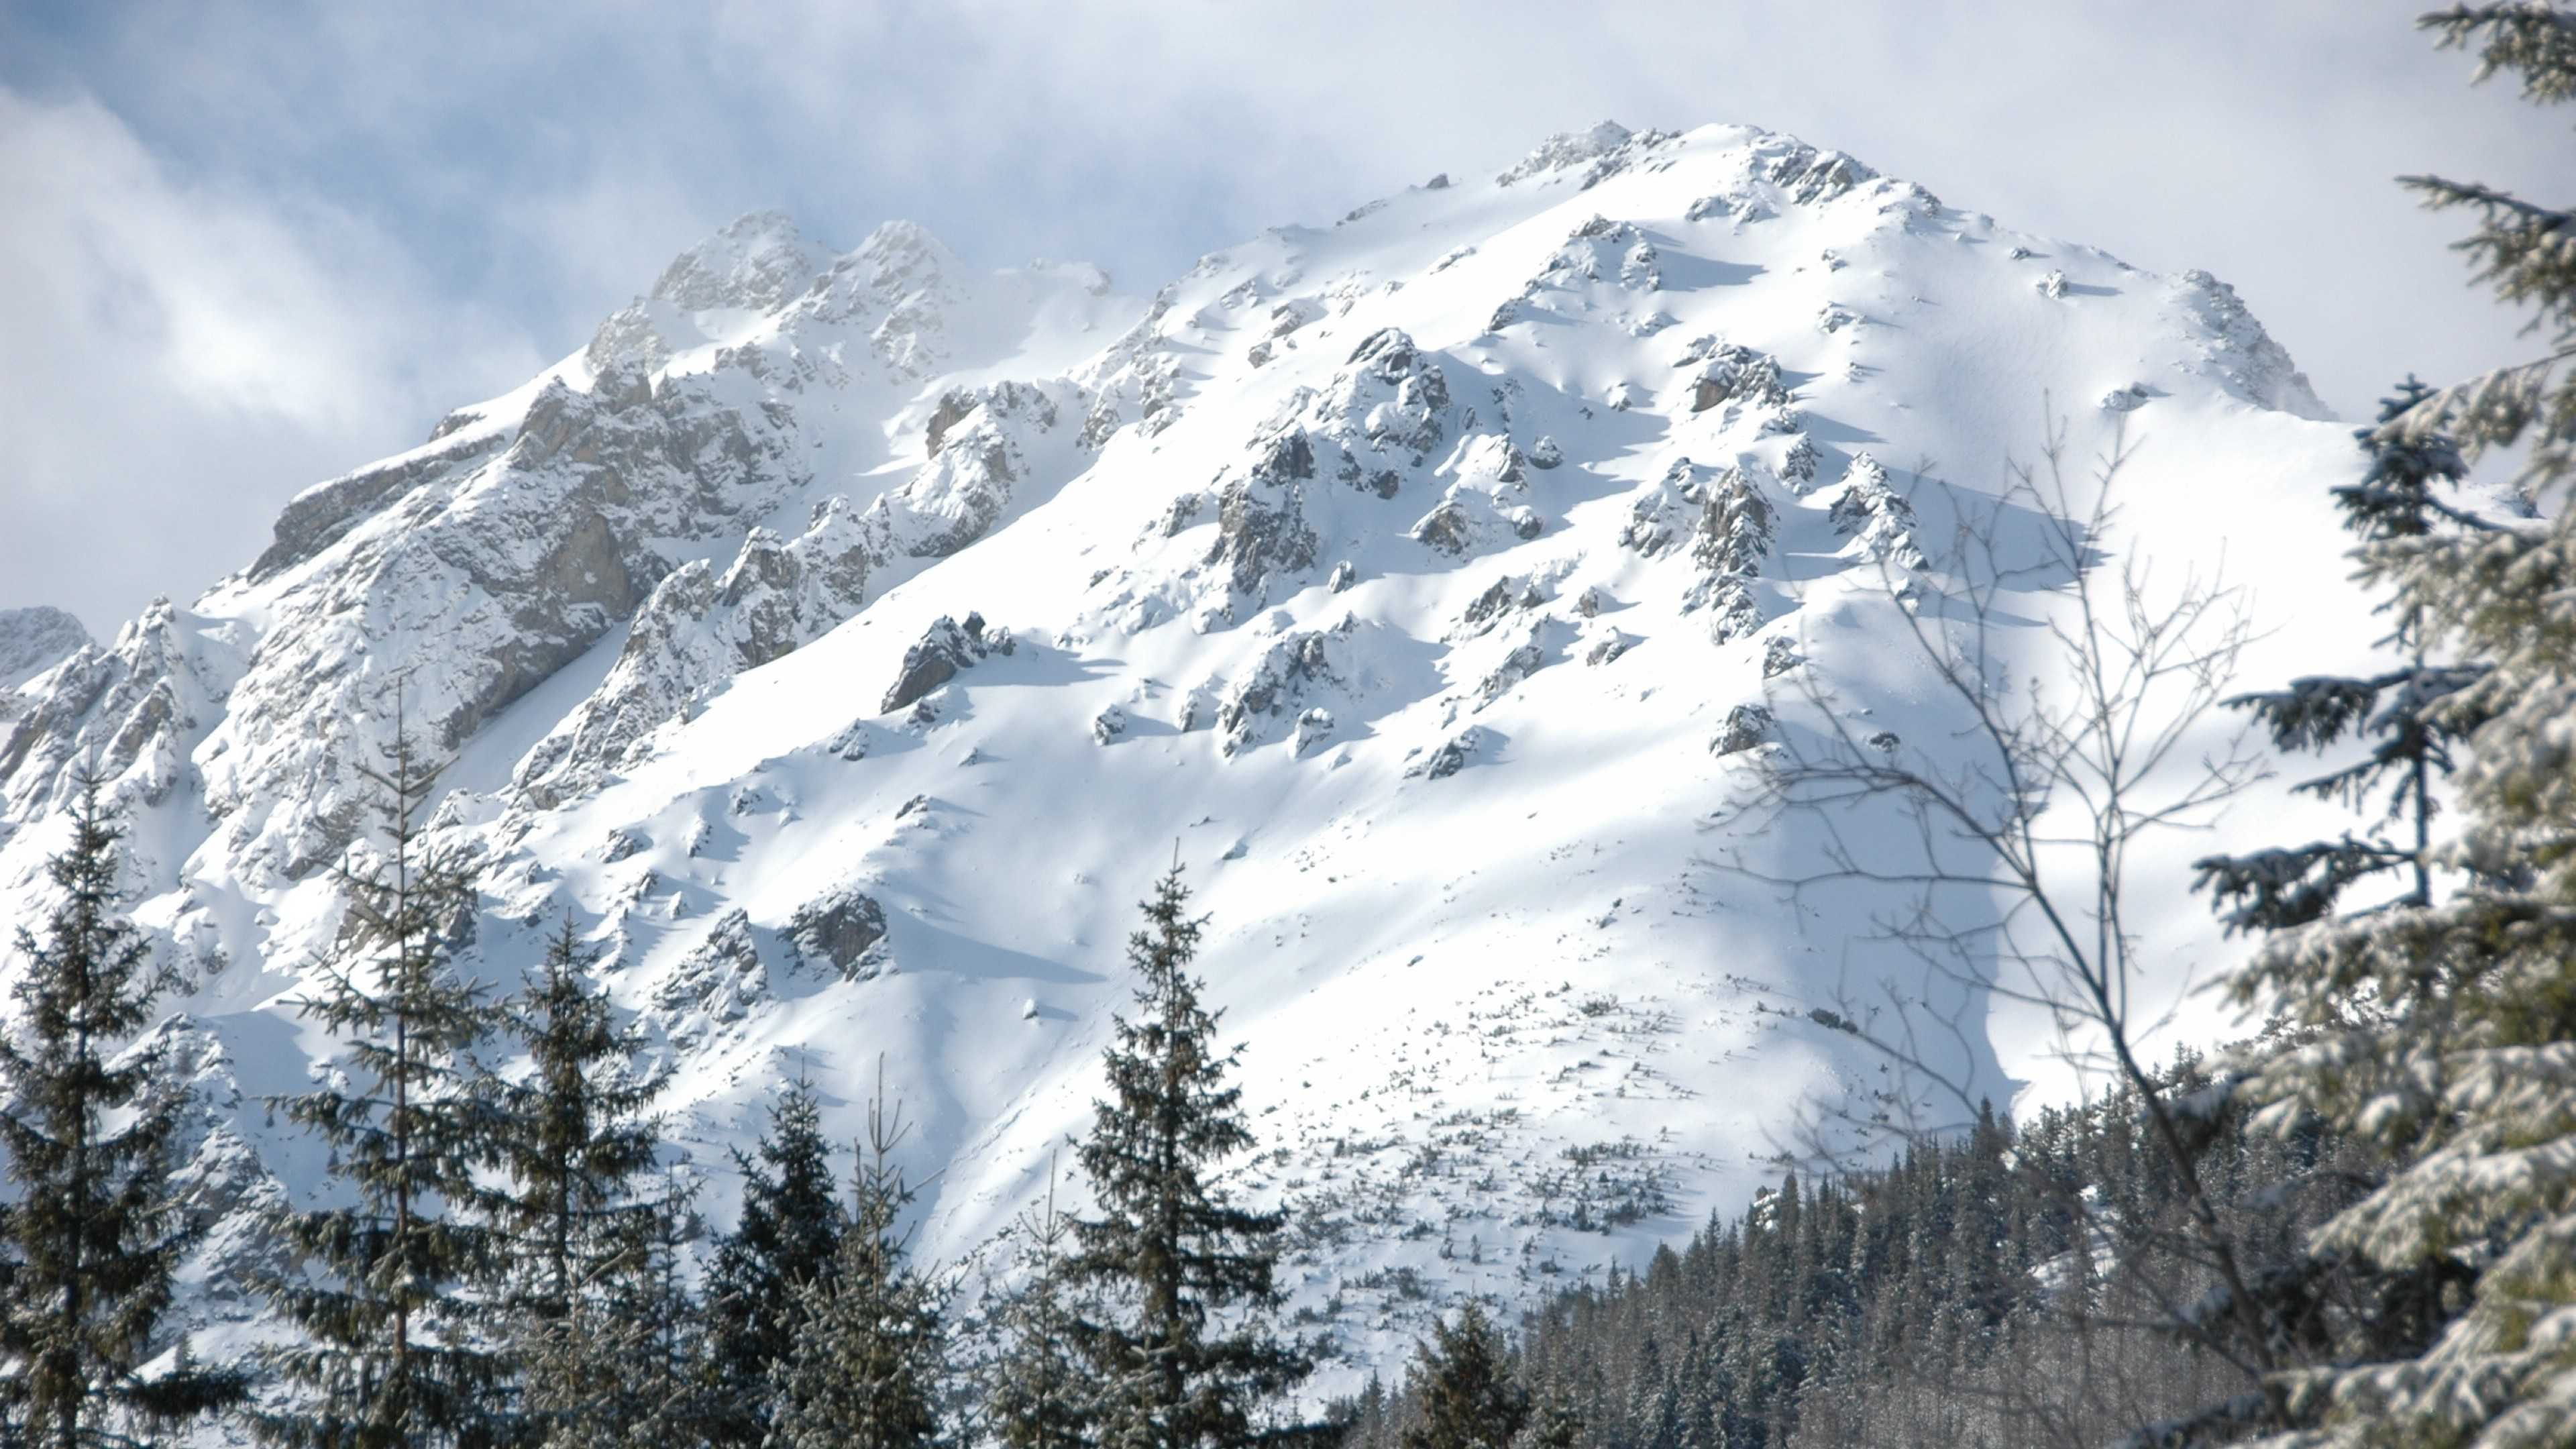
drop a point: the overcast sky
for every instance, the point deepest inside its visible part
(245, 247)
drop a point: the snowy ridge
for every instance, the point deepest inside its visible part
(845, 641)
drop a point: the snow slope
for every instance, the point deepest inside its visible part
(846, 641)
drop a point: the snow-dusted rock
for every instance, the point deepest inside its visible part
(35, 640)
(945, 649)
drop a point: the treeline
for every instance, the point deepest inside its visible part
(510, 1262)
(2003, 1288)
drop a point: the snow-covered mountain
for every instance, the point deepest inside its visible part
(33, 641)
(845, 641)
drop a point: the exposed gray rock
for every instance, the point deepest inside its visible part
(1733, 537)
(1869, 509)
(1745, 726)
(1452, 756)
(945, 648)
(1732, 373)
(846, 928)
(1808, 176)
(1275, 687)
(1567, 149)
(716, 984)
(319, 516)
(1261, 517)
(694, 633)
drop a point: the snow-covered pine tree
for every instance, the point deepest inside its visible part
(1182, 1345)
(2446, 1034)
(95, 1236)
(1041, 1395)
(1465, 1393)
(789, 1238)
(2412, 713)
(870, 1339)
(387, 1356)
(2520, 247)
(572, 1140)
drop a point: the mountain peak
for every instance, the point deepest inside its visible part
(757, 261)
(35, 640)
(1568, 148)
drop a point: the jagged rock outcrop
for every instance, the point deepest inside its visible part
(1876, 516)
(1278, 686)
(983, 456)
(695, 632)
(130, 712)
(844, 929)
(1733, 537)
(946, 648)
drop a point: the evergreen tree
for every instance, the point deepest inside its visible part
(91, 1244)
(388, 1355)
(1041, 1395)
(571, 1140)
(1466, 1396)
(870, 1343)
(2414, 714)
(1171, 1256)
(2444, 1033)
(789, 1239)
(625, 1368)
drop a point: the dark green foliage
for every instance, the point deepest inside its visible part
(788, 1240)
(869, 1347)
(2416, 715)
(576, 1237)
(1181, 1343)
(389, 1354)
(2521, 249)
(1041, 1395)
(2000, 1290)
(88, 1250)
(1463, 1385)
(626, 1368)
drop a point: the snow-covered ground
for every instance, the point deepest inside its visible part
(846, 641)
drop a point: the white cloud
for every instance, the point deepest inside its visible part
(287, 235)
(181, 358)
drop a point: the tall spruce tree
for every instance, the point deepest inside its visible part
(389, 1357)
(2444, 1033)
(1041, 1395)
(1171, 1256)
(788, 1239)
(626, 1367)
(572, 1140)
(92, 1243)
(1465, 1394)
(870, 1341)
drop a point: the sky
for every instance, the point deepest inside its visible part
(251, 246)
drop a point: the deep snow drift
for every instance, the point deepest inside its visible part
(845, 641)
